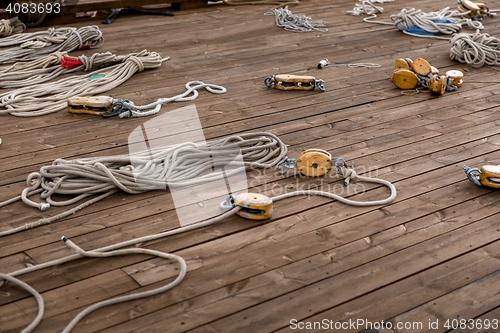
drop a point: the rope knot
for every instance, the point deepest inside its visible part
(137, 61)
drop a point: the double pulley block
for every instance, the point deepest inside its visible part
(487, 175)
(97, 105)
(310, 163)
(472, 10)
(412, 74)
(293, 82)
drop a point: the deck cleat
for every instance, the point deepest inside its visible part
(314, 162)
(95, 105)
(404, 79)
(253, 206)
(293, 82)
(487, 175)
(437, 84)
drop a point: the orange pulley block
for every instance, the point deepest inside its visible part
(310, 163)
(437, 84)
(487, 175)
(253, 206)
(410, 74)
(473, 10)
(314, 162)
(404, 79)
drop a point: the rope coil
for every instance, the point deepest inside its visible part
(41, 99)
(12, 26)
(475, 49)
(23, 74)
(60, 39)
(296, 23)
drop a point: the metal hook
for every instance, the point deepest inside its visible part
(290, 163)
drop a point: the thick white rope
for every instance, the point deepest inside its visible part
(417, 23)
(368, 7)
(263, 149)
(180, 165)
(12, 26)
(24, 74)
(475, 49)
(444, 21)
(41, 99)
(126, 298)
(129, 109)
(296, 22)
(60, 39)
(51, 35)
(32, 291)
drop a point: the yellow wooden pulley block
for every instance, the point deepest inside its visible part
(314, 162)
(490, 176)
(421, 67)
(456, 76)
(403, 63)
(475, 10)
(437, 84)
(434, 70)
(254, 206)
(404, 79)
(96, 105)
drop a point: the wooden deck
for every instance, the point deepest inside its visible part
(431, 256)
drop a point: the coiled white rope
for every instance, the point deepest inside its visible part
(24, 74)
(37, 45)
(296, 23)
(444, 21)
(417, 23)
(368, 7)
(12, 26)
(475, 49)
(179, 165)
(259, 150)
(41, 99)
(129, 109)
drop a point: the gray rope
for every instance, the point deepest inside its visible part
(180, 165)
(24, 74)
(60, 39)
(41, 99)
(296, 23)
(12, 26)
(475, 49)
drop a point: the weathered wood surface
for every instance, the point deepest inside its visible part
(431, 255)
